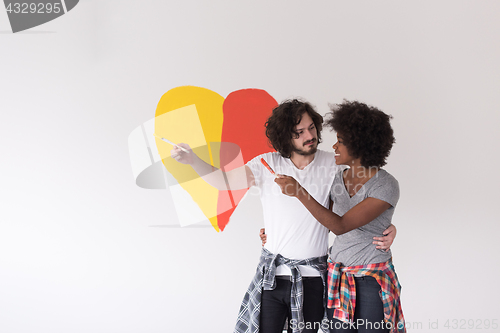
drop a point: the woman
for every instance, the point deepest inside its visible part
(363, 289)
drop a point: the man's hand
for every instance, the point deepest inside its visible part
(263, 236)
(181, 156)
(289, 186)
(384, 243)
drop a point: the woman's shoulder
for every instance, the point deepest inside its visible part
(386, 178)
(385, 187)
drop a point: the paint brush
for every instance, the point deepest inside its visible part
(170, 142)
(267, 166)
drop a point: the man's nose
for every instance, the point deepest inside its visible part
(309, 135)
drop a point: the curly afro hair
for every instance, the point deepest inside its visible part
(280, 127)
(366, 131)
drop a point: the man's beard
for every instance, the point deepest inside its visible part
(308, 152)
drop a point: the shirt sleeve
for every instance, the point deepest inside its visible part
(387, 190)
(256, 167)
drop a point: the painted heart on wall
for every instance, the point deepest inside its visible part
(224, 132)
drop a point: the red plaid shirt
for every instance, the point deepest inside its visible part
(342, 291)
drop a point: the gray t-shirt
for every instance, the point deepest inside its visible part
(355, 247)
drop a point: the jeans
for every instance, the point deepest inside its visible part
(275, 306)
(369, 311)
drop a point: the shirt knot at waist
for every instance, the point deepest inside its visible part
(342, 291)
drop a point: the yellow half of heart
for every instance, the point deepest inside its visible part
(192, 115)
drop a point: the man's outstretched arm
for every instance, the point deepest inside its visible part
(236, 179)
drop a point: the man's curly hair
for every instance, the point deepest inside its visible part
(366, 131)
(280, 127)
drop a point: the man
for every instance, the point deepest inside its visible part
(290, 279)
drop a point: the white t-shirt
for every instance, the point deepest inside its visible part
(291, 230)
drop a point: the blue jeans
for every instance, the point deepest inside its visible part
(275, 305)
(369, 311)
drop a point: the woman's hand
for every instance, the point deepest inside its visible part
(289, 186)
(263, 236)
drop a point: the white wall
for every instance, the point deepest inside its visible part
(77, 250)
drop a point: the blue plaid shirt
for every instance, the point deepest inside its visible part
(265, 279)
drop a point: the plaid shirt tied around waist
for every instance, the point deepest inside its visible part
(265, 279)
(342, 291)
